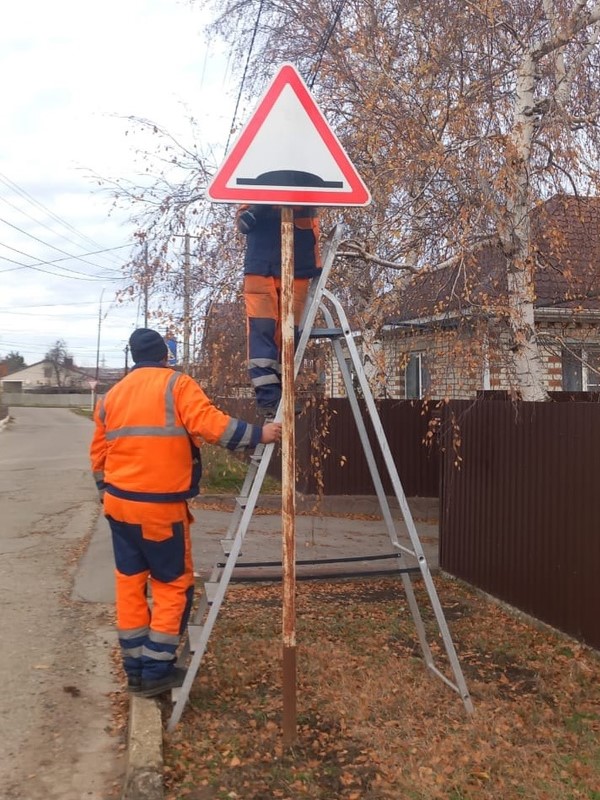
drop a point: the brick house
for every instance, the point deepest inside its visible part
(448, 339)
(221, 368)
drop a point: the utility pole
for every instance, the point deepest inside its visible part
(146, 276)
(98, 341)
(187, 316)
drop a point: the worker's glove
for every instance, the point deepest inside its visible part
(247, 219)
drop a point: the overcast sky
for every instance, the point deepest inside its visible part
(70, 70)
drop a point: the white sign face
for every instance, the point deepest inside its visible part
(288, 154)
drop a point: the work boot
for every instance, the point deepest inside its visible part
(134, 684)
(171, 681)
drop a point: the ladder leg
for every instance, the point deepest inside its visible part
(315, 292)
(460, 685)
(383, 501)
(214, 605)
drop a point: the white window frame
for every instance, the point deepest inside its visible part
(414, 358)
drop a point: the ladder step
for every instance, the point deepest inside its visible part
(326, 333)
(241, 501)
(226, 545)
(210, 587)
(175, 693)
(194, 633)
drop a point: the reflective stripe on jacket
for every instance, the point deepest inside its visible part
(263, 241)
(146, 428)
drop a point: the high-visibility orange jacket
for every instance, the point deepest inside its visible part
(147, 428)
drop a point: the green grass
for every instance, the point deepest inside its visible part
(83, 412)
(224, 473)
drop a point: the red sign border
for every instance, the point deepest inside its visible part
(218, 190)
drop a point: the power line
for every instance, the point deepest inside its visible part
(237, 102)
(78, 276)
(58, 305)
(58, 315)
(31, 266)
(53, 231)
(56, 260)
(47, 244)
(12, 185)
(325, 41)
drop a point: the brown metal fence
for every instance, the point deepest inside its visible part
(519, 485)
(519, 504)
(330, 458)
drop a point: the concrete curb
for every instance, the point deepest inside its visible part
(144, 771)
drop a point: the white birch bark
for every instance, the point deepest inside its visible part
(515, 232)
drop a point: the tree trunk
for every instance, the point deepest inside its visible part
(526, 363)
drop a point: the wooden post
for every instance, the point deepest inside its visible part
(288, 478)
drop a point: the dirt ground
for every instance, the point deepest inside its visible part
(372, 723)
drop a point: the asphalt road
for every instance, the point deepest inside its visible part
(55, 705)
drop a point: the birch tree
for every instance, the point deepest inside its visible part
(461, 116)
(167, 203)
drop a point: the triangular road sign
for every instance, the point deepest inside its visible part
(287, 154)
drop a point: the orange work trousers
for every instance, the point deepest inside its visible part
(262, 296)
(151, 545)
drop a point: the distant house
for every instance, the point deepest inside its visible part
(44, 376)
(221, 368)
(106, 376)
(447, 340)
(221, 365)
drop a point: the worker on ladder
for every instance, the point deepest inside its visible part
(261, 225)
(146, 462)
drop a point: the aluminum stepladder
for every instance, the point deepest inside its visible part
(205, 616)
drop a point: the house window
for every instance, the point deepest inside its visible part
(591, 370)
(581, 369)
(48, 372)
(353, 377)
(416, 377)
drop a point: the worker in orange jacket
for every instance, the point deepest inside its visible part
(146, 463)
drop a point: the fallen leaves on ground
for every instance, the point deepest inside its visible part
(372, 722)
